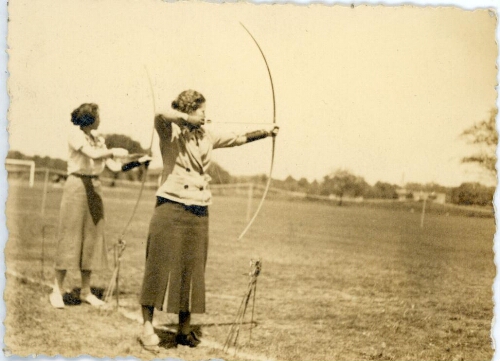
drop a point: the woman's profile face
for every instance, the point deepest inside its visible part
(96, 122)
(200, 111)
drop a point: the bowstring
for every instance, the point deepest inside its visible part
(119, 248)
(145, 174)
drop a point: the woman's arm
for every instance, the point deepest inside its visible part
(104, 153)
(94, 153)
(224, 140)
(127, 164)
(164, 120)
(262, 133)
(179, 118)
(76, 141)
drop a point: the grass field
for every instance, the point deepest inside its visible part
(337, 283)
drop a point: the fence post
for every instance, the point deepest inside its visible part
(32, 175)
(249, 205)
(44, 195)
(423, 214)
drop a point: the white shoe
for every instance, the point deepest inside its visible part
(56, 300)
(93, 300)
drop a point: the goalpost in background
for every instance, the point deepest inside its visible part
(236, 188)
(47, 172)
(18, 165)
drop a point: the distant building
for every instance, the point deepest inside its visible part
(404, 194)
(440, 198)
(436, 197)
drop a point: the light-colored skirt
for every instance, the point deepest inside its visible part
(80, 243)
(176, 255)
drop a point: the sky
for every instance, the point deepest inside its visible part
(383, 91)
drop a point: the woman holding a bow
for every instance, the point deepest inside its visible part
(81, 244)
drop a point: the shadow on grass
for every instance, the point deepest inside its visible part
(167, 338)
(198, 328)
(167, 334)
(73, 298)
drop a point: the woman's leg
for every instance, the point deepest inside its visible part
(59, 281)
(186, 336)
(184, 322)
(56, 299)
(85, 293)
(149, 339)
(85, 290)
(147, 316)
(194, 253)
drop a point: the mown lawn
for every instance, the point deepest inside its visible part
(338, 283)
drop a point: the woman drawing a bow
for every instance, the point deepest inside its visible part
(176, 253)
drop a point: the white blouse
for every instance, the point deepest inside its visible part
(77, 161)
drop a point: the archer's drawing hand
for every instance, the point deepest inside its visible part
(144, 159)
(196, 120)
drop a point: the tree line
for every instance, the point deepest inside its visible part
(341, 183)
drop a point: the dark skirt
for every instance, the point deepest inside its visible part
(176, 255)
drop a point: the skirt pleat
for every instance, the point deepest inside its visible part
(176, 255)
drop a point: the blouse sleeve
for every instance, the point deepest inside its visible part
(76, 140)
(226, 139)
(163, 127)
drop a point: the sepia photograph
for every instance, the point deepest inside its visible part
(195, 180)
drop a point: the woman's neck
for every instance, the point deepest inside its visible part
(86, 130)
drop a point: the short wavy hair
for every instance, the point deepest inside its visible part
(85, 114)
(188, 101)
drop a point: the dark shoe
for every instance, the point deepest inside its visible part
(191, 339)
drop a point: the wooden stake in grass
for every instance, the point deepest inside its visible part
(234, 331)
(249, 204)
(42, 256)
(119, 247)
